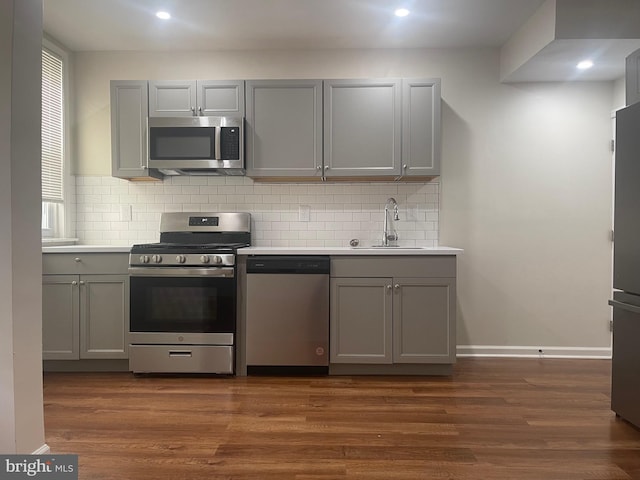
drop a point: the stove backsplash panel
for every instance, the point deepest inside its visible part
(113, 211)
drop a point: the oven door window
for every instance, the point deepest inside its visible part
(183, 305)
(182, 143)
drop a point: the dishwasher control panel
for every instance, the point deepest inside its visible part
(319, 264)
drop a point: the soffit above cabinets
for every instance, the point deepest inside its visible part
(539, 40)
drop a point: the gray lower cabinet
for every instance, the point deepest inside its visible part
(361, 320)
(284, 128)
(129, 136)
(186, 98)
(422, 320)
(406, 317)
(362, 127)
(85, 316)
(60, 317)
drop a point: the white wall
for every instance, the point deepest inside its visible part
(525, 186)
(21, 405)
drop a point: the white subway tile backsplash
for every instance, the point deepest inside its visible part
(338, 212)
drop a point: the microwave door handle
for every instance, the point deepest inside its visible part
(216, 147)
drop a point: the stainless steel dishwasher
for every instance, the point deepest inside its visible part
(287, 318)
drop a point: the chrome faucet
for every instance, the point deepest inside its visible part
(389, 235)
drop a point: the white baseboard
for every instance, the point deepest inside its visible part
(533, 352)
(43, 450)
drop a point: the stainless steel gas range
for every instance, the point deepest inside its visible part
(183, 294)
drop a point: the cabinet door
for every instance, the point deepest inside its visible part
(633, 78)
(220, 97)
(284, 128)
(169, 98)
(361, 310)
(104, 316)
(421, 127)
(129, 141)
(362, 127)
(625, 371)
(60, 315)
(424, 320)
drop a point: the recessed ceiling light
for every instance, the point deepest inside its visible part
(163, 15)
(585, 64)
(401, 12)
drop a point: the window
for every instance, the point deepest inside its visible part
(53, 143)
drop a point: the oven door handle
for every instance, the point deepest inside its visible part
(181, 272)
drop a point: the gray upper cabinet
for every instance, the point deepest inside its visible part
(632, 85)
(362, 127)
(172, 98)
(421, 127)
(284, 128)
(221, 97)
(129, 140)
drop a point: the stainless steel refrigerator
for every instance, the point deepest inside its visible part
(625, 374)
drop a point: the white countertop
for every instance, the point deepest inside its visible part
(277, 250)
(87, 249)
(349, 251)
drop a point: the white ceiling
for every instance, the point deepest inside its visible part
(90, 25)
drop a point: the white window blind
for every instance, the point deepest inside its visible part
(52, 126)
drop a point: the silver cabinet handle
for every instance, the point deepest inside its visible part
(193, 111)
(388, 287)
(77, 259)
(396, 286)
(319, 167)
(74, 283)
(326, 167)
(200, 111)
(81, 282)
(404, 166)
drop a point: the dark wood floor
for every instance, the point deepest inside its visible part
(493, 419)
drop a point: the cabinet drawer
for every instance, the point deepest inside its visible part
(431, 266)
(85, 263)
(181, 358)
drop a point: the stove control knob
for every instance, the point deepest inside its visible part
(217, 259)
(144, 259)
(156, 258)
(181, 259)
(204, 259)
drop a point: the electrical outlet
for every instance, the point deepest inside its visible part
(125, 213)
(412, 212)
(304, 213)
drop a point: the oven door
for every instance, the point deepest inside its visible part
(182, 306)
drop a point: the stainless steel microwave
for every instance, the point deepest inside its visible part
(197, 145)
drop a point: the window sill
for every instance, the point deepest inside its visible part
(54, 242)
